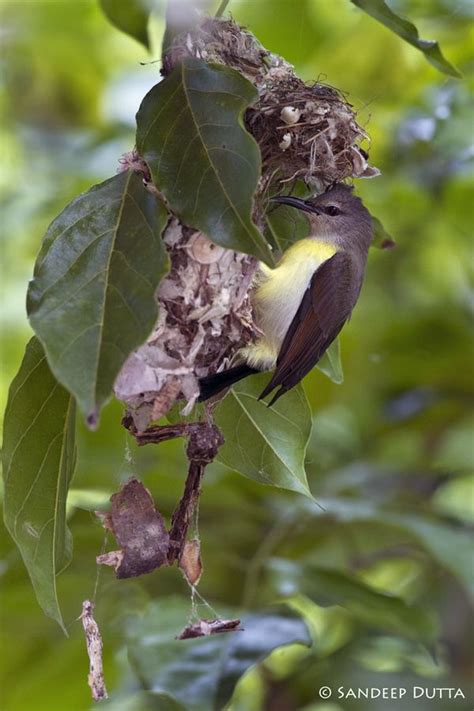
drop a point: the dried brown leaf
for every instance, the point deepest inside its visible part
(190, 561)
(94, 650)
(204, 628)
(139, 529)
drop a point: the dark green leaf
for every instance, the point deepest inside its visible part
(38, 464)
(381, 238)
(379, 10)
(190, 132)
(267, 444)
(92, 299)
(129, 16)
(286, 226)
(202, 673)
(141, 701)
(371, 606)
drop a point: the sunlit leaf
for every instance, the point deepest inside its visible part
(129, 16)
(405, 29)
(381, 237)
(190, 132)
(455, 499)
(371, 606)
(201, 674)
(267, 444)
(88, 499)
(92, 298)
(330, 364)
(38, 464)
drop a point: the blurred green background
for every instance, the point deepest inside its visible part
(391, 456)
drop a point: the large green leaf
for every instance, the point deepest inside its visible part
(129, 16)
(449, 545)
(405, 29)
(267, 444)
(38, 464)
(190, 132)
(201, 674)
(92, 299)
(371, 606)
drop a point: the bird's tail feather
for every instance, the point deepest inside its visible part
(213, 384)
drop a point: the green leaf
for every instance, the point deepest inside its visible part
(190, 132)
(450, 546)
(129, 16)
(379, 10)
(92, 298)
(285, 226)
(381, 237)
(330, 364)
(267, 444)
(366, 604)
(455, 499)
(88, 499)
(201, 674)
(38, 464)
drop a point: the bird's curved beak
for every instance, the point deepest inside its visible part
(299, 203)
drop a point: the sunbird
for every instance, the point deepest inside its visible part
(304, 301)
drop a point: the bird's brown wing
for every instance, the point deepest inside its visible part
(325, 307)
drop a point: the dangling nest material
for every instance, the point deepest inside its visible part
(306, 132)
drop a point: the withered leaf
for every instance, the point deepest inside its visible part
(138, 528)
(190, 561)
(94, 650)
(204, 628)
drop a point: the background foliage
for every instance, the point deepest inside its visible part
(390, 458)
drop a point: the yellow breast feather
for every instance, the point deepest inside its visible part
(278, 295)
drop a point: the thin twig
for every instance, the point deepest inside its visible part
(158, 433)
(204, 439)
(184, 512)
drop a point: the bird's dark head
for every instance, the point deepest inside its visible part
(336, 215)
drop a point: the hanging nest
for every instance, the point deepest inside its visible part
(305, 132)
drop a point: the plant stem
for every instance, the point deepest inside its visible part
(222, 8)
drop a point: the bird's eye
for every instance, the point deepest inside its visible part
(332, 210)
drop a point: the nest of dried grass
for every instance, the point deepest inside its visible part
(304, 131)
